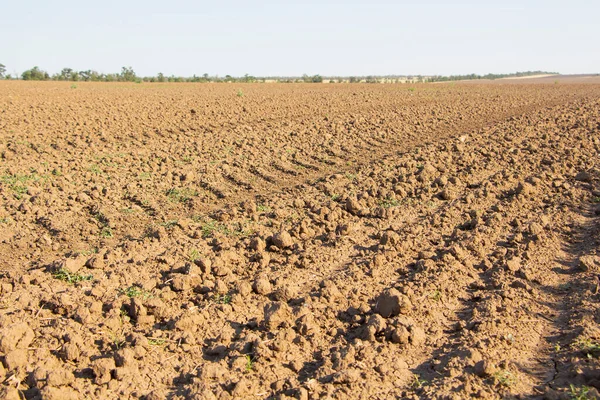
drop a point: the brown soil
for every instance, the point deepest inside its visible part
(303, 241)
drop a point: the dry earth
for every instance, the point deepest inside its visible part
(299, 241)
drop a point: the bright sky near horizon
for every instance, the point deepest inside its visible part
(277, 38)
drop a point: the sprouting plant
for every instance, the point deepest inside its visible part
(335, 197)
(350, 177)
(95, 169)
(70, 277)
(106, 232)
(134, 291)
(418, 382)
(389, 202)
(17, 183)
(194, 255)
(222, 298)
(117, 340)
(124, 316)
(156, 342)
(411, 89)
(144, 176)
(588, 347)
(249, 363)
(240, 93)
(182, 195)
(169, 224)
(436, 295)
(127, 210)
(579, 393)
(505, 378)
(208, 228)
(73, 86)
(89, 252)
(262, 208)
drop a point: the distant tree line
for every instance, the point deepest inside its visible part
(487, 76)
(127, 74)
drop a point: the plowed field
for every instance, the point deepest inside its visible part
(299, 241)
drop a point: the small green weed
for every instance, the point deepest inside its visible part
(579, 393)
(106, 232)
(95, 169)
(208, 228)
(418, 382)
(222, 298)
(73, 86)
(588, 347)
(240, 93)
(127, 210)
(134, 291)
(182, 195)
(156, 342)
(89, 252)
(124, 316)
(388, 203)
(505, 378)
(263, 208)
(18, 183)
(436, 295)
(118, 341)
(169, 224)
(249, 363)
(194, 255)
(71, 278)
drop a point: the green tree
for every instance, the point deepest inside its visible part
(127, 75)
(161, 77)
(249, 78)
(2, 70)
(67, 74)
(35, 74)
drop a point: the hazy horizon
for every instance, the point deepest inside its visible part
(328, 38)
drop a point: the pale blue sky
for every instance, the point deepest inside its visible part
(185, 37)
